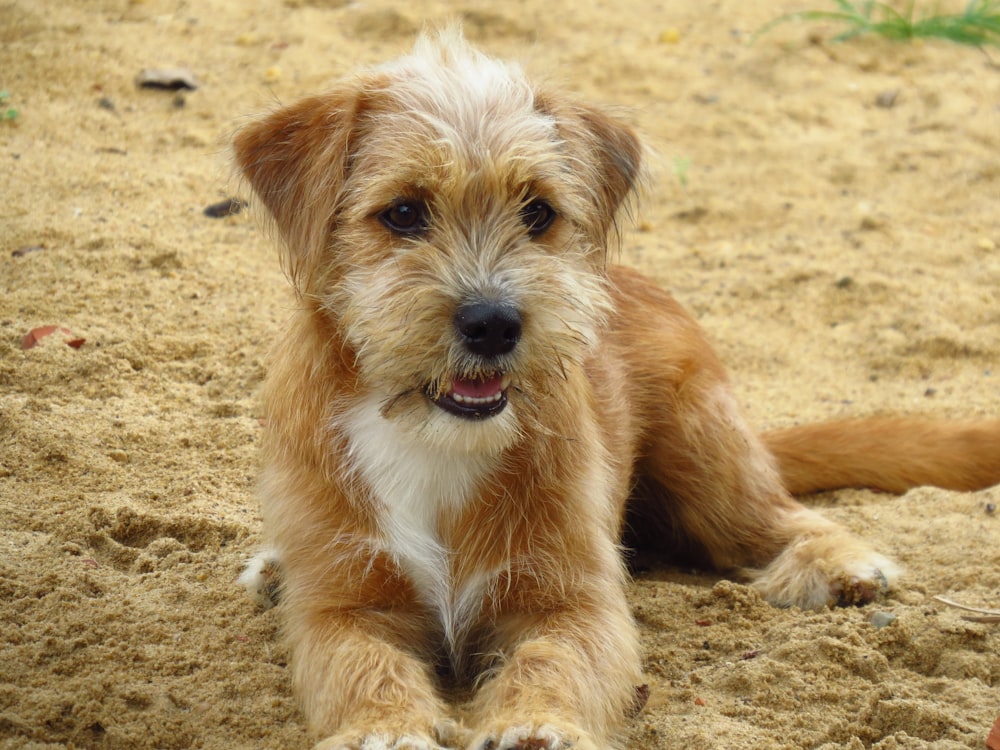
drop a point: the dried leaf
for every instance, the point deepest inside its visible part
(993, 741)
(33, 337)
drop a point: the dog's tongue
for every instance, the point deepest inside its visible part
(478, 387)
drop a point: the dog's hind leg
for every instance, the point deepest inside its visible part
(720, 485)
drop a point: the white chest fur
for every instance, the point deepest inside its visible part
(416, 484)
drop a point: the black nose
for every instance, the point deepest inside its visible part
(488, 328)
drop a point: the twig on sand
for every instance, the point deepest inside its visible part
(982, 615)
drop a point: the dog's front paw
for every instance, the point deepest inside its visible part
(262, 577)
(533, 737)
(825, 571)
(445, 733)
(379, 741)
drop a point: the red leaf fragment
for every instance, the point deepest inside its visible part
(703, 623)
(993, 741)
(33, 337)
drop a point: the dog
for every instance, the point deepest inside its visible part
(468, 394)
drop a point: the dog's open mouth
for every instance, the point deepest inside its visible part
(474, 398)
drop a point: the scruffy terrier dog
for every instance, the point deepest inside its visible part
(468, 394)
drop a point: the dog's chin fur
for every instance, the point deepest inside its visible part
(417, 419)
(408, 537)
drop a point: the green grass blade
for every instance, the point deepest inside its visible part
(978, 25)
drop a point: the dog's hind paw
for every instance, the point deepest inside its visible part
(855, 590)
(822, 572)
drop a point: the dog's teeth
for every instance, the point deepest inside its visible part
(472, 401)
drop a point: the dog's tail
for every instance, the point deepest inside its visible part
(891, 454)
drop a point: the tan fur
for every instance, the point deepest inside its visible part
(410, 538)
(888, 453)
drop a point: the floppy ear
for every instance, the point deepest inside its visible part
(608, 147)
(618, 152)
(296, 161)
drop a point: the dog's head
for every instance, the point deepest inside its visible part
(452, 220)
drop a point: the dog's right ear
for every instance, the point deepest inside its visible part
(296, 161)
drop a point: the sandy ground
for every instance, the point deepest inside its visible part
(843, 255)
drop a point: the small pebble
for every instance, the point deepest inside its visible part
(22, 251)
(670, 36)
(170, 79)
(880, 620)
(887, 99)
(227, 207)
(869, 224)
(991, 508)
(985, 243)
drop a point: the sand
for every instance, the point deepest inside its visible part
(841, 252)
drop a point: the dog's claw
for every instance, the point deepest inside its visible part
(859, 591)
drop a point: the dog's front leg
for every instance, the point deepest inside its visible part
(361, 687)
(565, 678)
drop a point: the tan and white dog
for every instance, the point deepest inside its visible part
(467, 396)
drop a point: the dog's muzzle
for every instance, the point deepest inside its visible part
(488, 330)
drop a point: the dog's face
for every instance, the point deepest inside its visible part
(452, 221)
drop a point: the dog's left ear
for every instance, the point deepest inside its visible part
(619, 154)
(611, 150)
(296, 160)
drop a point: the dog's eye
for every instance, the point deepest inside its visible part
(405, 217)
(537, 216)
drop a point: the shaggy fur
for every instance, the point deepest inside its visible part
(468, 394)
